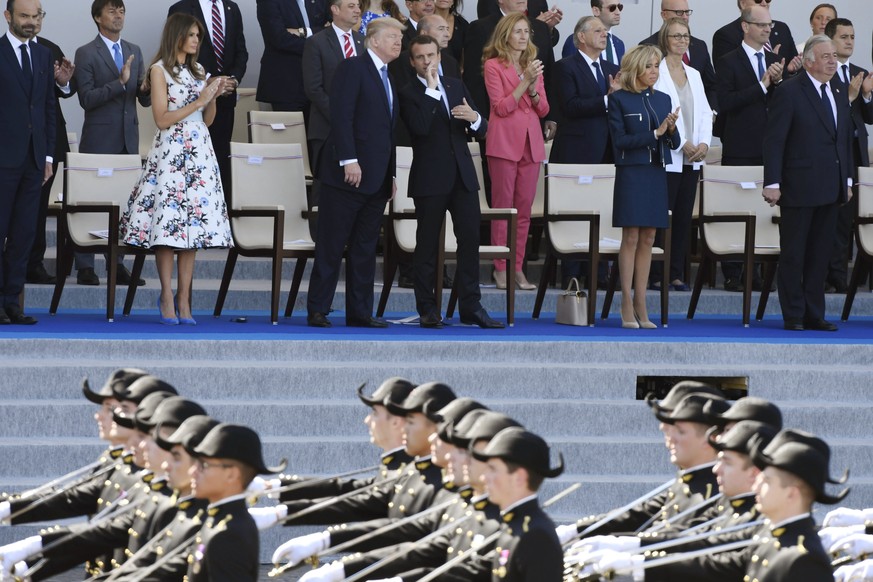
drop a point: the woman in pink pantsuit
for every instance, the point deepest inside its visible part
(514, 144)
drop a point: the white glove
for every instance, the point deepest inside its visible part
(296, 550)
(566, 532)
(272, 485)
(831, 535)
(843, 516)
(5, 510)
(17, 551)
(855, 545)
(860, 572)
(257, 486)
(333, 572)
(622, 563)
(614, 543)
(394, 579)
(267, 517)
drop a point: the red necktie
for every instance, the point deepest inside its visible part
(217, 36)
(348, 51)
(685, 58)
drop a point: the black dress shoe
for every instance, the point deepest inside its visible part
(316, 319)
(481, 318)
(39, 276)
(820, 325)
(123, 277)
(405, 282)
(87, 276)
(733, 285)
(4, 319)
(793, 325)
(431, 321)
(17, 317)
(376, 322)
(838, 285)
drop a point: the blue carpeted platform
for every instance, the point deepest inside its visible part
(91, 325)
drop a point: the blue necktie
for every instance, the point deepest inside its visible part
(384, 70)
(760, 65)
(26, 68)
(116, 52)
(827, 103)
(599, 76)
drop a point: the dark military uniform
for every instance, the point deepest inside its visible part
(791, 552)
(390, 462)
(227, 547)
(690, 488)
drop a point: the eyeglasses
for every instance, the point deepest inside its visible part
(614, 7)
(41, 14)
(679, 13)
(206, 465)
(686, 37)
(761, 25)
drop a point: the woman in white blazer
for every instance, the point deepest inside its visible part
(685, 88)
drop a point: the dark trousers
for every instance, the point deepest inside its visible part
(430, 211)
(806, 238)
(838, 269)
(350, 219)
(19, 205)
(681, 191)
(221, 132)
(37, 251)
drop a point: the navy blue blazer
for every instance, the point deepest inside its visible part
(631, 127)
(583, 133)
(26, 117)
(742, 113)
(809, 157)
(730, 36)
(281, 78)
(362, 125)
(439, 142)
(236, 56)
(569, 46)
(862, 114)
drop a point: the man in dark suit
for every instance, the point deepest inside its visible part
(609, 13)
(285, 28)
(109, 80)
(222, 53)
(357, 173)
(418, 9)
(438, 112)
(729, 37)
(27, 123)
(747, 77)
(697, 55)
(842, 33)
(321, 56)
(808, 172)
(63, 70)
(538, 9)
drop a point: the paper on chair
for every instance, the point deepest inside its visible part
(277, 126)
(739, 246)
(748, 186)
(299, 241)
(603, 242)
(99, 233)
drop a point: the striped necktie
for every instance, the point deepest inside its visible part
(217, 36)
(348, 51)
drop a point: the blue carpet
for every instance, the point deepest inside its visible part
(140, 325)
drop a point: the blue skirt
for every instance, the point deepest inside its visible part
(640, 196)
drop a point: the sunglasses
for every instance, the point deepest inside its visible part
(763, 1)
(619, 7)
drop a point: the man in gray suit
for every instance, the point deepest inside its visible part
(109, 78)
(321, 55)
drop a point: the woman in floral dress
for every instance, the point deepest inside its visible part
(178, 204)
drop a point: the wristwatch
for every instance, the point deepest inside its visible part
(301, 32)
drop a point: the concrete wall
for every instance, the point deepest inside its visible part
(69, 24)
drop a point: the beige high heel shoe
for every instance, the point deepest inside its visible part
(522, 282)
(629, 323)
(499, 278)
(644, 324)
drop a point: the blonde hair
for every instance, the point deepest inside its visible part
(498, 46)
(634, 64)
(662, 35)
(379, 24)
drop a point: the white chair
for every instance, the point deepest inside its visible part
(737, 224)
(268, 216)
(863, 236)
(245, 101)
(97, 188)
(280, 127)
(73, 139)
(578, 215)
(147, 129)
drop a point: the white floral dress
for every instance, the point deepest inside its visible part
(178, 201)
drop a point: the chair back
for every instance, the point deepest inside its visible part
(478, 160)
(865, 208)
(538, 208)
(580, 188)
(268, 175)
(97, 178)
(280, 127)
(245, 101)
(404, 229)
(73, 139)
(147, 129)
(737, 190)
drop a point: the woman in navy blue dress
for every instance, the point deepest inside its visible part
(641, 125)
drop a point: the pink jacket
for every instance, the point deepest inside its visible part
(511, 120)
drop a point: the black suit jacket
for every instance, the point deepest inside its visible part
(809, 157)
(862, 114)
(583, 132)
(362, 126)
(27, 118)
(478, 36)
(227, 546)
(729, 37)
(235, 57)
(742, 113)
(698, 54)
(322, 54)
(534, 8)
(62, 143)
(281, 78)
(439, 142)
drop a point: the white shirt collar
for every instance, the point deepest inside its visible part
(816, 83)
(752, 52)
(227, 500)
(379, 64)
(589, 60)
(790, 520)
(15, 42)
(697, 468)
(518, 503)
(340, 33)
(109, 44)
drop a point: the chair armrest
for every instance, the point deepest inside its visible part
(307, 214)
(574, 216)
(868, 219)
(727, 217)
(498, 212)
(257, 211)
(90, 207)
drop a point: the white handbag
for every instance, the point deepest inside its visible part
(572, 308)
